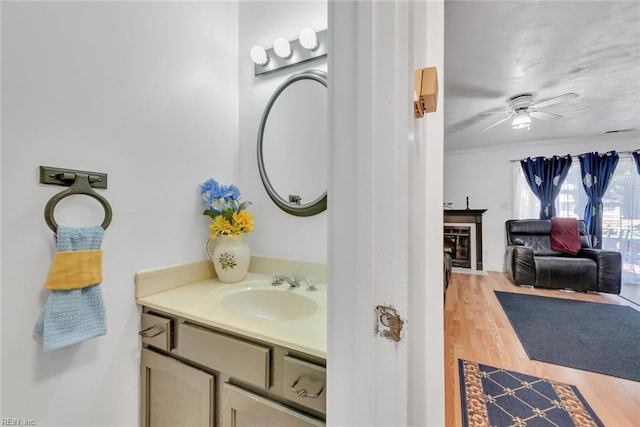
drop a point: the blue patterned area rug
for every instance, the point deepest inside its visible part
(500, 398)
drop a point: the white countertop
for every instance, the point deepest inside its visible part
(200, 301)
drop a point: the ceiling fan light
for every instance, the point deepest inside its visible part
(521, 121)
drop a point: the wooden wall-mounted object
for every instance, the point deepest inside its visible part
(426, 87)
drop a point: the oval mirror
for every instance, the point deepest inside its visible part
(292, 144)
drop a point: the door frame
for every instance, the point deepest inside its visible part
(384, 216)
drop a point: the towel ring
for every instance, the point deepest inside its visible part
(81, 185)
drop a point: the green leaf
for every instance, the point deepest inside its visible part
(210, 213)
(227, 214)
(244, 205)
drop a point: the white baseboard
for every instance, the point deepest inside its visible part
(469, 271)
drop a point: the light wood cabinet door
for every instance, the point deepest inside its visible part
(173, 394)
(244, 409)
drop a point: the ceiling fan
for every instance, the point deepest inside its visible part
(522, 109)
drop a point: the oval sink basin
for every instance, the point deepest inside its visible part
(269, 304)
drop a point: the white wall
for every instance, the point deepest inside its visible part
(148, 93)
(485, 175)
(277, 234)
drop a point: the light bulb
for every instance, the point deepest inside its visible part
(308, 38)
(282, 48)
(259, 55)
(521, 121)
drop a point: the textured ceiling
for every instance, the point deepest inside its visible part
(495, 50)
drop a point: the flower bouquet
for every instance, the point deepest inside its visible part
(230, 222)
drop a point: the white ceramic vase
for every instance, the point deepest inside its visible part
(230, 256)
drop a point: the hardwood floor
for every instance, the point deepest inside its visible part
(476, 329)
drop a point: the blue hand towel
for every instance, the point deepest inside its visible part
(74, 315)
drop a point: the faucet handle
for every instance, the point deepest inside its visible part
(297, 281)
(311, 283)
(277, 279)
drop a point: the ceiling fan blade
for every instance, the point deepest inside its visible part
(496, 112)
(543, 115)
(557, 99)
(504, 119)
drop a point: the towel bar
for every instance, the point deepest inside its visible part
(81, 185)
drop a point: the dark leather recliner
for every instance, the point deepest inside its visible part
(529, 260)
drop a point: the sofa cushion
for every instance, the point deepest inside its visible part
(541, 244)
(565, 235)
(536, 234)
(529, 226)
(566, 273)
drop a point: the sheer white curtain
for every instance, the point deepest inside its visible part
(525, 204)
(570, 202)
(572, 199)
(621, 215)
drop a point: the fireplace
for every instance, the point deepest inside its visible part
(463, 237)
(457, 241)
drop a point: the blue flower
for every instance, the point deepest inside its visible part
(211, 190)
(231, 192)
(219, 197)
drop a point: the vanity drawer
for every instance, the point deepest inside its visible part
(239, 359)
(156, 331)
(304, 383)
(241, 408)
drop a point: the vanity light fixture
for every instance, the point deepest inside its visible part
(311, 45)
(259, 55)
(521, 121)
(282, 48)
(308, 38)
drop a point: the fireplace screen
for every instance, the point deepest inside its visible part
(457, 241)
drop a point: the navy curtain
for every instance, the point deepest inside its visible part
(636, 159)
(597, 170)
(545, 176)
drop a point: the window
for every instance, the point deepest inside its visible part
(572, 199)
(621, 218)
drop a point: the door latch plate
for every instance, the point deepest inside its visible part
(389, 324)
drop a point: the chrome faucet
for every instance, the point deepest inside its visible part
(279, 279)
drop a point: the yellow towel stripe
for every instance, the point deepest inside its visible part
(75, 270)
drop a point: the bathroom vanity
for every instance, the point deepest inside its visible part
(242, 354)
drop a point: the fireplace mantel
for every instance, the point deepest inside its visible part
(468, 216)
